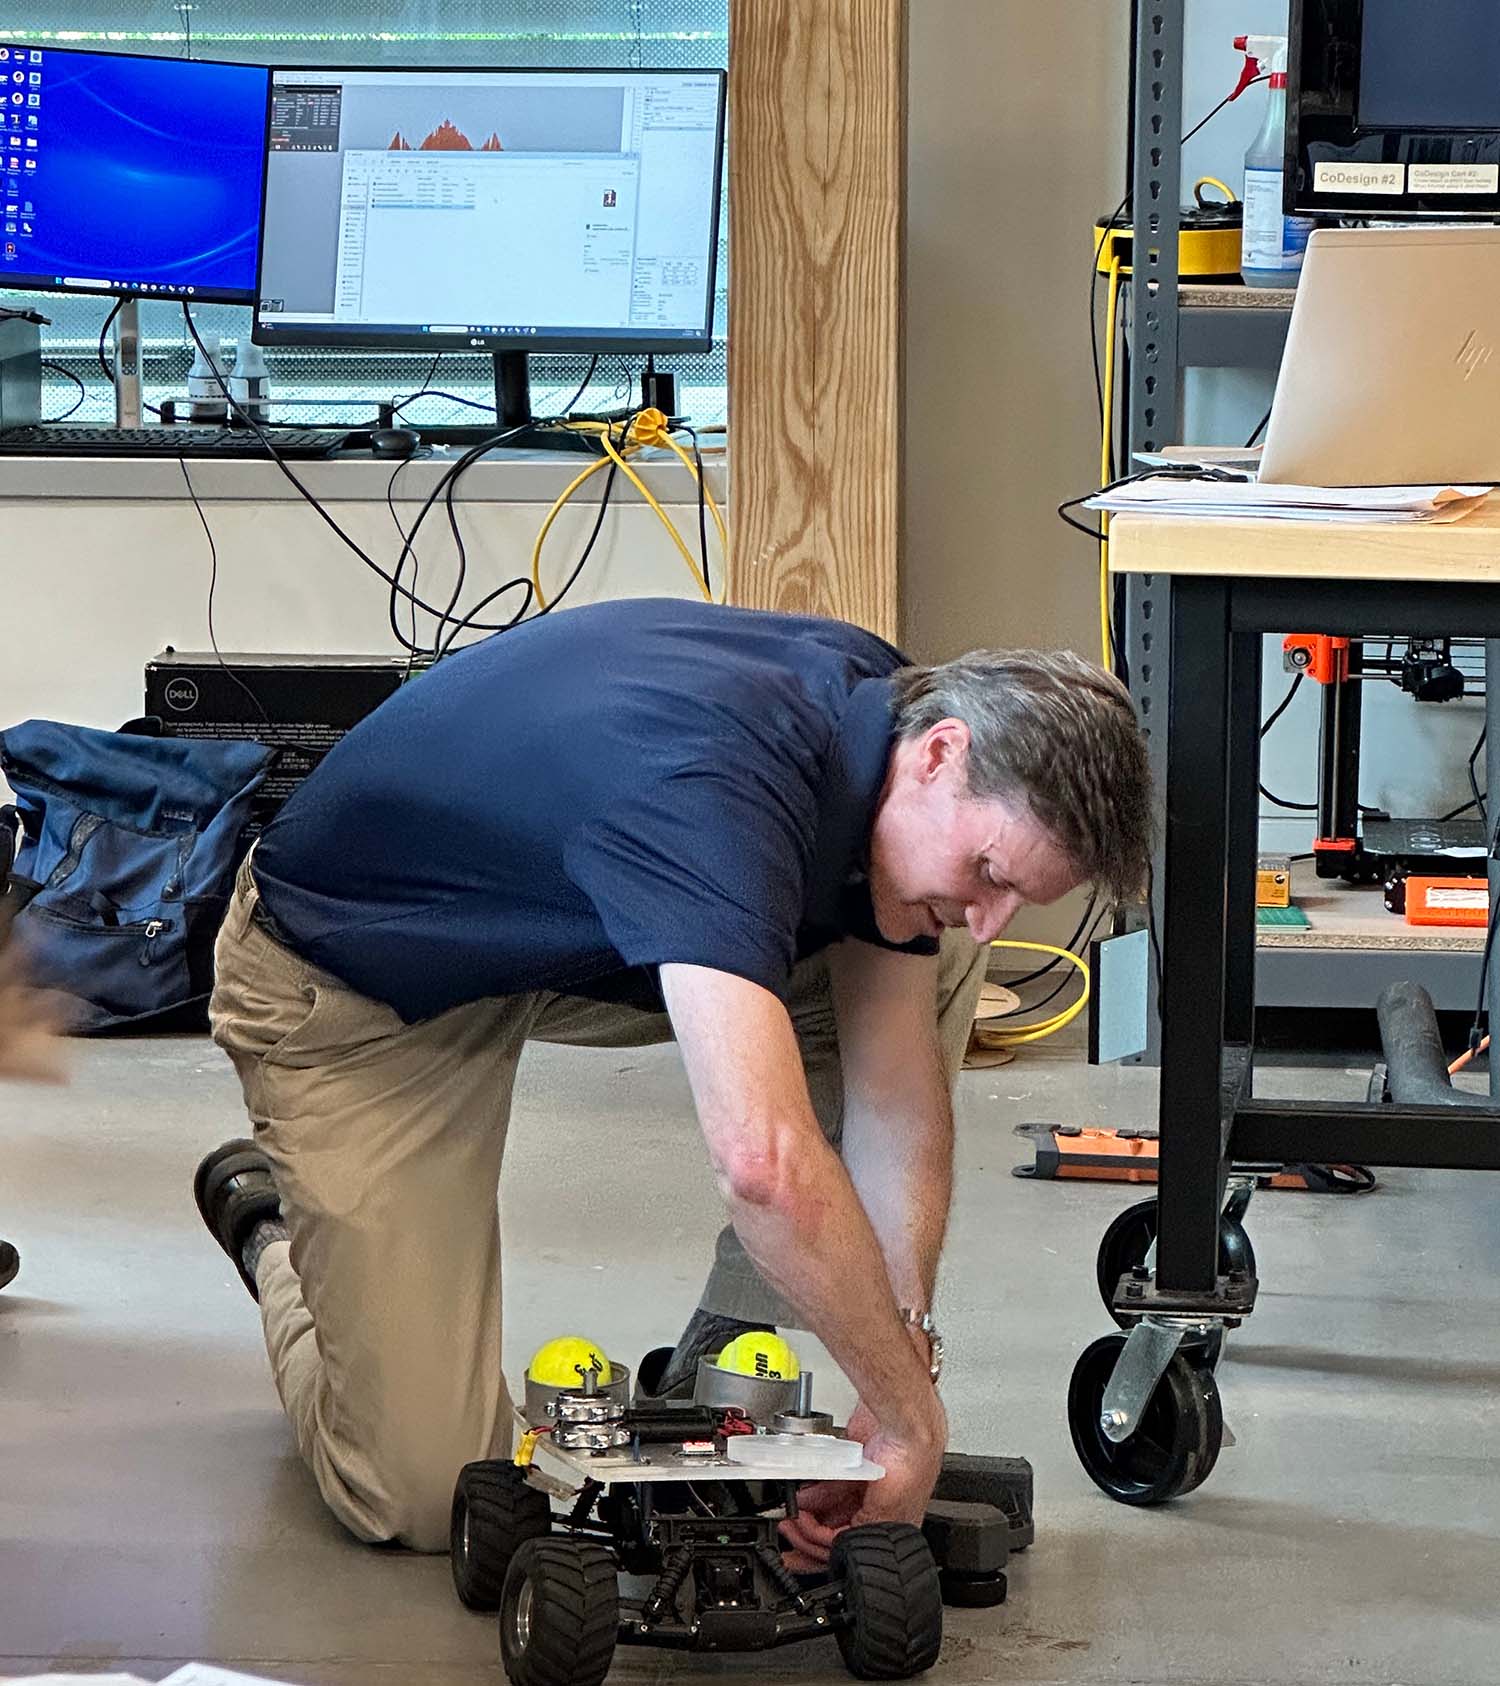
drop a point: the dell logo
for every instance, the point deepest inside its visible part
(1473, 354)
(182, 694)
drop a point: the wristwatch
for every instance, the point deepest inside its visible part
(923, 1320)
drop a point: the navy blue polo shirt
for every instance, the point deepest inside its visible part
(569, 805)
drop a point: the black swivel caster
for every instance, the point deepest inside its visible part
(1129, 1239)
(1176, 1442)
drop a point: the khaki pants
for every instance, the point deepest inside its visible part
(382, 1320)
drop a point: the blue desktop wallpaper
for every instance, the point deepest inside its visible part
(140, 173)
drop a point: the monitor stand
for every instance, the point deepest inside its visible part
(513, 410)
(128, 408)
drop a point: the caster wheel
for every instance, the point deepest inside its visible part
(560, 1614)
(893, 1598)
(1129, 1238)
(1176, 1443)
(494, 1513)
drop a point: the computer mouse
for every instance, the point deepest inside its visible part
(394, 441)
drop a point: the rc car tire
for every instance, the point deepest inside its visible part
(559, 1614)
(494, 1514)
(893, 1599)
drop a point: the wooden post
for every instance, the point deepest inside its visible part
(817, 165)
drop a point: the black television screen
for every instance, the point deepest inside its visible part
(1393, 109)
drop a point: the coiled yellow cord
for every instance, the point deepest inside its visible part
(650, 427)
(998, 1036)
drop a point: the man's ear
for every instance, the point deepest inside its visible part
(945, 749)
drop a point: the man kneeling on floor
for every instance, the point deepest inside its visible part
(763, 835)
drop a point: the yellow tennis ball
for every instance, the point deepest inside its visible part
(561, 1363)
(760, 1354)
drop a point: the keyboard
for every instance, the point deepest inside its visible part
(61, 439)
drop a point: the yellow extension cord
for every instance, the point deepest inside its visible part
(1000, 1037)
(650, 427)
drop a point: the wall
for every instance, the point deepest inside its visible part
(1413, 753)
(1016, 146)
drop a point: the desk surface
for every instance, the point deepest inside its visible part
(517, 477)
(1462, 552)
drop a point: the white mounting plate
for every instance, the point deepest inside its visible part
(667, 1463)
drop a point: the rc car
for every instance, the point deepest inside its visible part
(627, 1521)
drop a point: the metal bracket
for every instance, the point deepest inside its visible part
(1230, 1302)
(1143, 1361)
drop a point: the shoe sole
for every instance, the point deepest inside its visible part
(234, 1159)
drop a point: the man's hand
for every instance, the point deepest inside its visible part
(912, 1463)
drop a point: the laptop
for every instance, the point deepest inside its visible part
(1391, 375)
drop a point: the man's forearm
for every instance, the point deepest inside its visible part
(900, 1156)
(820, 1252)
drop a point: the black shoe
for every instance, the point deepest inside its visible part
(648, 1375)
(10, 1263)
(235, 1191)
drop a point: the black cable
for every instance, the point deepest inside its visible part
(1094, 277)
(593, 538)
(1480, 1015)
(1071, 944)
(1057, 989)
(67, 374)
(393, 580)
(1295, 807)
(1479, 795)
(109, 373)
(437, 392)
(213, 582)
(692, 434)
(1281, 707)
(1456, 813)
(583, 385)
(1260, 428)
(109, 322)
(390, 504)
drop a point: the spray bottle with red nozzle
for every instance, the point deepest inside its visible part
(1273, 243)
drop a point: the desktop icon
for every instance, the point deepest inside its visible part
(33, 99)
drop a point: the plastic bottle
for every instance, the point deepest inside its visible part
(1273, 243)
(206, 401)
(250, 384)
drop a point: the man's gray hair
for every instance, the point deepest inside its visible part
(1053, 732)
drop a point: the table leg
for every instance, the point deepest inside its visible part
(1244, 826)
(1193, 938)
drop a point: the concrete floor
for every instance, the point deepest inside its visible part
(152, 1511)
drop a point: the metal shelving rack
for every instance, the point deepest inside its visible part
(1171, 328)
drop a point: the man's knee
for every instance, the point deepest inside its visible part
(407, 1499)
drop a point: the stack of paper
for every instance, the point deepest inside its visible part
(1239, 498)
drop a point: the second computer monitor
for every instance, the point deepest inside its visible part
(491, 209)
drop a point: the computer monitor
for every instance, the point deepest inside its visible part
(1393, 109)
(130, 175)
(491, 210)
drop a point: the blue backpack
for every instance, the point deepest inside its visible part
(122, 851)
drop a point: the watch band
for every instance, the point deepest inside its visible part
(923, 1320)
